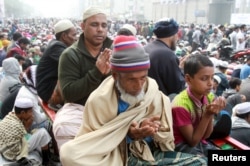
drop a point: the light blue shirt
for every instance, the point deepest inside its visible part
(122, 107)
(245, 71)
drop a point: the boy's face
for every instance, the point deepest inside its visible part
(202, 82)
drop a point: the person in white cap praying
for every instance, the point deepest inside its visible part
(16, 143)
(47, 70)
(216, 83)
(241, 123)
(221, 72)
(82, 68)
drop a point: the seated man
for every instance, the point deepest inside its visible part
(234, 87)
(127, 120)
(47, 69)
(241, 123)
(15, 142)
(11, 70)
(19, 48)
(82, 68)
(232, 94)
(27, 90)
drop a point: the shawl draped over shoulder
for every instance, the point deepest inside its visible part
(103, 130)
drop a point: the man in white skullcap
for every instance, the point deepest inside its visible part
(216, 83)
(16, 143)
(220, 71)
(241, 123)
(82, 68)
(47, 70)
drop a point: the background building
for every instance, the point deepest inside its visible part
(196, 11)
(126, 9)
(185, 11)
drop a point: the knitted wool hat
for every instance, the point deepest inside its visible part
(128, 55)
(165, 27)
(63, 25)
(91, 11)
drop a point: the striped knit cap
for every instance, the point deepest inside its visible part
(128, 55)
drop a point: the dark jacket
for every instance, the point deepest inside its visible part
(164, 68)
(78, 74)
(223, 84)
(47, 69)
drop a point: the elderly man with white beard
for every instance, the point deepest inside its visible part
(127, 120)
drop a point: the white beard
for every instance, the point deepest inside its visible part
(130, 99)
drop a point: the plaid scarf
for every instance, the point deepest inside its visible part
(13, 145)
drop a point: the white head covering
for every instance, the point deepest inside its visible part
(129, 27)
(91, 11)
(24, 103)
(217, 78)
(223, 64)
(63, 25)
(242, 108)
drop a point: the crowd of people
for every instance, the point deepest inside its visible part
(123, 93)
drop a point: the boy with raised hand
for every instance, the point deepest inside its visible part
(194, 108)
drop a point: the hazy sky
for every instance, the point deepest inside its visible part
(55, 8)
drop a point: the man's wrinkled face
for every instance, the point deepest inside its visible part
(131, 85)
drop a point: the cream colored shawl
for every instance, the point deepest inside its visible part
(103, 130)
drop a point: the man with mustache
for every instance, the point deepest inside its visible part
(127, 120)
(47, 70)
(82, 68)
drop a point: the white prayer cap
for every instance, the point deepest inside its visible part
(242, 108)
(63, 25)
(231, 26)
(223, 64)
(129, 27)
(91, 11)
(24, 103)
(217, 78)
